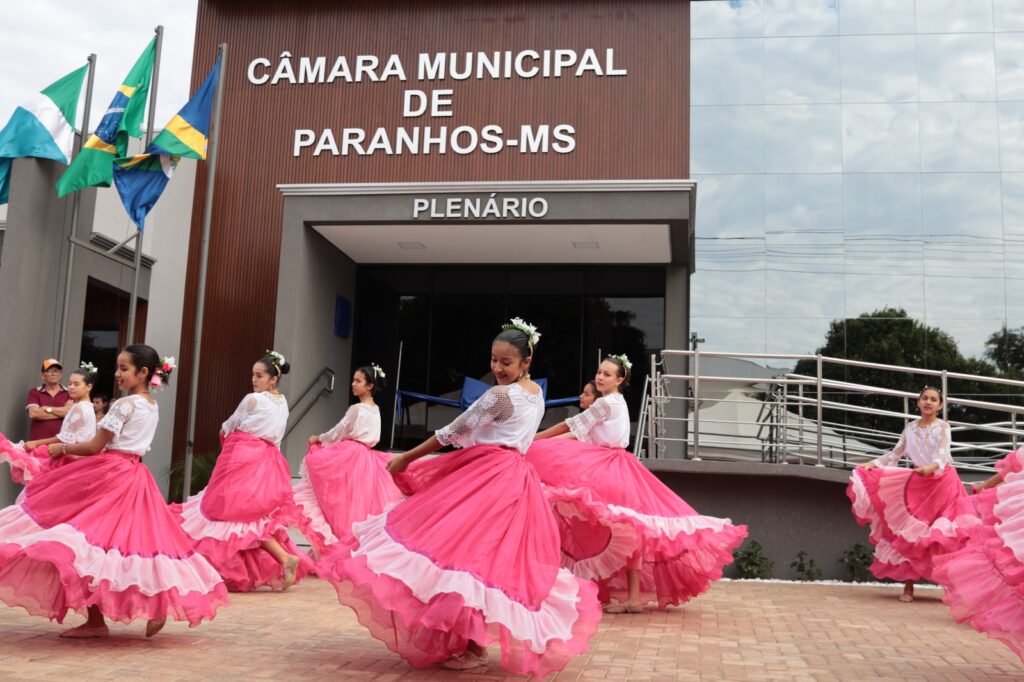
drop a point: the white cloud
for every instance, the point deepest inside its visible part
(46, 39)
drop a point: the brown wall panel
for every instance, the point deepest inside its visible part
(631, 127)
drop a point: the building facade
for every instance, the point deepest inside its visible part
(854, 156)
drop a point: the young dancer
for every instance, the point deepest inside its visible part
(914, 514)
(32, 457)
(344, 480)
(95, 535)
(240, 521)
(620, 525)
(984, 581)
(471, 557)
(588, 395)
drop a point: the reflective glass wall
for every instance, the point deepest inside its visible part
(853, 156)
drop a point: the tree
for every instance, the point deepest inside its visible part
(890, 336)
(1006, 349)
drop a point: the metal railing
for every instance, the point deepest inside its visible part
(300, 410)
(786, 417)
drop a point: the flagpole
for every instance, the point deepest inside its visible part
(133, 303)
(75, 204)
(204, 257)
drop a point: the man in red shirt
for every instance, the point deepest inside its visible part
(47, 404)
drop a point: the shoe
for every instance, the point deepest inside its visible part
(906, 597)
(624, 608)
(155, 626)
(84, 632)
(465, 661)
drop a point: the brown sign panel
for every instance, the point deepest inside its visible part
(362, 92)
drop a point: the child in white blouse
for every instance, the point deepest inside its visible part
(79, 423)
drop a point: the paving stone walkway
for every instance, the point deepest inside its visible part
(736, 632)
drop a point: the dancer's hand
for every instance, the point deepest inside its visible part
(927, 470)
(313, 440)
(398, 464)
(976, 488)
(55, 449)
(867, 465)
(30, 445)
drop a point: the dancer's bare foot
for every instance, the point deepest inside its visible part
(155, 626)
(465, 661)
(906, 597)
(87, 631)
(291, 568)
(624, 608)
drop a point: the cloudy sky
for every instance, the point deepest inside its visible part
(46, 39)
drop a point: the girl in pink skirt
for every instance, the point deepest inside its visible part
(984, 581)
(471, 557)
(620, 525)
(95, 535)
(79, 426)
(240, 521)
(344, 480)
(914, 514)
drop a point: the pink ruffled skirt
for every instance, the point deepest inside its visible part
(24, 464)
(248, 500)
(472, 554)
(97, 532)
(615, 515)
(342, 483)
(984, 581)
(912, 518)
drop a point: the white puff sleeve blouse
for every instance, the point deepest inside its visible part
(504, 415)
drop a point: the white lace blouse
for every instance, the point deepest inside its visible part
(260, 414)
(79, 424)
(605, 423)
(361, 423)
(932, 443)
(133, 422)
(504, 415)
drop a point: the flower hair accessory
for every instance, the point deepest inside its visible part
(278, 359)
(378, 373)
(163, 372)
(623, 360)
(532, 335)
(89, 367)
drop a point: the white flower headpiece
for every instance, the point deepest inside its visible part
(624, 360)
(89, 367)
(378, 373)
(277, 357)
(532, 335)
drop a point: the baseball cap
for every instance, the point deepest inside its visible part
(52, 362)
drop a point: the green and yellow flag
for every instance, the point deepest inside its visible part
(94, 165)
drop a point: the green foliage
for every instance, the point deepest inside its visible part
(890, 336)
(857, 559)
(202, 469)
(806, 567)
(1006, 349)
(751, 563)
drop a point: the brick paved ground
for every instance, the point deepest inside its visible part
(738, 631)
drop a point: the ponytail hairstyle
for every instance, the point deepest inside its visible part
(275, 364)
(374, 376)
(625, 368)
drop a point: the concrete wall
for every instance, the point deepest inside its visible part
(316, 272)
(787, 508)
(32, 290)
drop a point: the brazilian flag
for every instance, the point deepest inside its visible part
(94, 165)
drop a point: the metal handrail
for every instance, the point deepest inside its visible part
(783, 424)
(329, 388)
